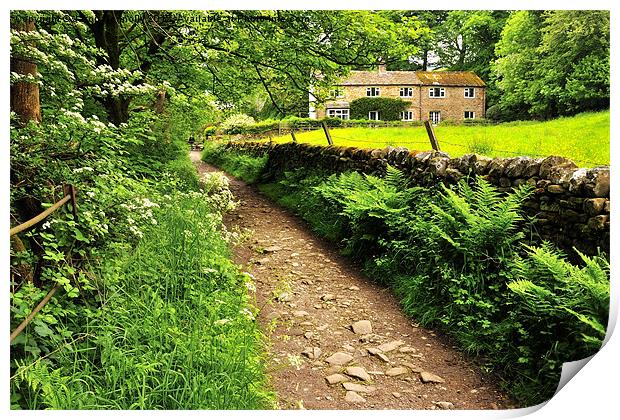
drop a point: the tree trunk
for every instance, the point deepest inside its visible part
(425, 61)
(106, 30)
(25, 100)
(160, 102)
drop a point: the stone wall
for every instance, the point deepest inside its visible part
(571, 204)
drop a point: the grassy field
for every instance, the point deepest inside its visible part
(583, 138)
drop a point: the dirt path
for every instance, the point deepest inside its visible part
(310, 297)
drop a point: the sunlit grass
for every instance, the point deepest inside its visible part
(176, 328)
(583, 138)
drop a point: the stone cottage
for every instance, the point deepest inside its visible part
(433, 95)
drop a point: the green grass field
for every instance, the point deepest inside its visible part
(583, 138)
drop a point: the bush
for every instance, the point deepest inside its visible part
(389, 108)
(236, 124)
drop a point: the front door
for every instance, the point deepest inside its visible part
(435, 117)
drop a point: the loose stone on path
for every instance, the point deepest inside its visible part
(339, 358)
(336, 378)
(391, 346)
(354, 397)
(427, 377)
(362, 327)
(358, 372)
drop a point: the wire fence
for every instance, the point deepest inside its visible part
(70, 194)
(337, 137)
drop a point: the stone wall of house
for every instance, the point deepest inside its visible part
(453, 105)
(570, 204)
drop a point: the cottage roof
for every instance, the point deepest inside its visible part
(424, 78)
(449, 78)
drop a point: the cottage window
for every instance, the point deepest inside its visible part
(373, 91)
(468, 115)
(435, 116)
(342, 113)
(406, 92)
(373, 115)
(406, 115)
(337, 92)
(437, 92)
(470, 92)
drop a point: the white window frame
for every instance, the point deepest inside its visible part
(342, 113)
(434, 120)
(406, 115)
(376, 113)
(408, 90)
(469, 89)
(431, 92)
(473, 115)
(376, 91)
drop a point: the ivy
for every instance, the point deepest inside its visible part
(389, 108)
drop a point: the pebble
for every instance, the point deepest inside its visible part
(396, 371)
(354, 397)
(391, 346)
(396, 394)
(328, 296)
(354, 288)
(445, 405)
(358, 372)
(300, 314)
(339, 358)
(427, 377)
(312, 352)
(362, 327)
(335, 378)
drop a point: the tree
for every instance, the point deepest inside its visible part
(25, 100)
(553, 63)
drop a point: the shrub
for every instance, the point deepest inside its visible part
(236, 124)
(389, 108)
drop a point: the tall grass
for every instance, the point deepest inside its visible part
(583, 138)
(175, 329)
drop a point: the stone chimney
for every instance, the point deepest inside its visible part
(382, 66)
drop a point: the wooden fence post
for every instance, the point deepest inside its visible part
(293, 136)
(327, 135)
(431, 135)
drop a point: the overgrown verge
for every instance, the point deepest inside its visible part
(456, 260)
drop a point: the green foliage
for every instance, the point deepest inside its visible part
(389, 108)
(553, 63)
(454, 256)
(248, 168)
(236, 124)
(175, 329)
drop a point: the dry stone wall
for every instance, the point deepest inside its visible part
(570, 204)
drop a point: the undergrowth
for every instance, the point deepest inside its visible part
(247, 168)
(456, 259)
(175, 328)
